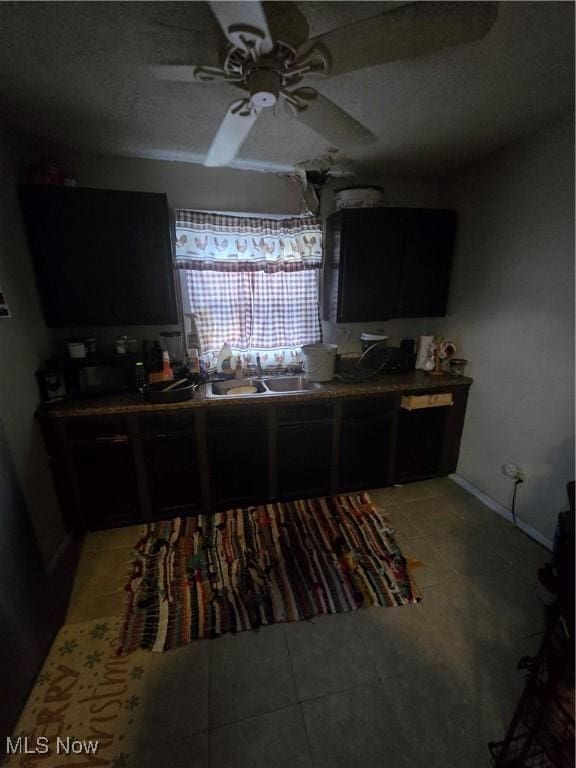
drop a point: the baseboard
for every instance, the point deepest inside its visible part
(502, 510)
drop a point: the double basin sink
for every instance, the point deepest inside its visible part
(278, 385)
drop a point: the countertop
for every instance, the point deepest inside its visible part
(133, 403)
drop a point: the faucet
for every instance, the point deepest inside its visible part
(259, 371)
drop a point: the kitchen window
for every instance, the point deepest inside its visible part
(251, 282)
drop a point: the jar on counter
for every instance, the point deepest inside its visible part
(122, 345)
(457, 366)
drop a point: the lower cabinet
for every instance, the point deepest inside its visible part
(105, 483)
(117, 470)
(171, 460)
(173, 475)
(304, 456)
(366, 443)
(304, 440)
(428, 440)
(419, 443)
(237, 443)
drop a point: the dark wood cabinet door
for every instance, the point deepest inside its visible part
(419, 445)
(238, 461)
(106, 482)
(370, 266)
(426, 262)
(366, 443)
(387, 262)
(101, 257)
(173, 474)
(304, 459)
(365, 453)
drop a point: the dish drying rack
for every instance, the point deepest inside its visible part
(360, 372)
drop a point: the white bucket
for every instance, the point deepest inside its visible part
(319, 361)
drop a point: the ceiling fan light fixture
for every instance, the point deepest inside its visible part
(264, 86)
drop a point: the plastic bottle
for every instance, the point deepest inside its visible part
(167, 372)
(224, 360)
(238, 372)
(194, 365)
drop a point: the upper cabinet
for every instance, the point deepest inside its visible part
(387, 262)
(101, 257)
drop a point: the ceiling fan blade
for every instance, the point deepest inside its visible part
(244, 24)
(188, 73)
(327, 119)
(237, 124)
(413, 30)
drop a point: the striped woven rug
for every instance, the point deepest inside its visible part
(202, 576)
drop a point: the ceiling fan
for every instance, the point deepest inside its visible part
(267, 55)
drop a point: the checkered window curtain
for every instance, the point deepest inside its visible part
(251, 282)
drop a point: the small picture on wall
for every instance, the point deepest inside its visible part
(4, 309)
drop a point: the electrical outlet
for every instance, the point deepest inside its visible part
(513, 471)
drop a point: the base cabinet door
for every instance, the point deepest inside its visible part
(238, 461)
(173, 475)
(366, 443)
(304, 458)
(106, 483)
(428, 440)
(237, 441)
(419, 446)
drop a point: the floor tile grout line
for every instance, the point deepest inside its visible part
(356, 686)
(230, 723)
(300, 708)
(366, 649)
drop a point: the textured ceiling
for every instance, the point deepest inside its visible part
(73, 76)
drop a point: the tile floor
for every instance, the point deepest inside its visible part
(422, 685)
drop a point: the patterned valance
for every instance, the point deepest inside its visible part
(209, 241)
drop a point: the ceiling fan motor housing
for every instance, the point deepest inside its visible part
(264, 86)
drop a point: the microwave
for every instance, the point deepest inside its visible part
(86, 377)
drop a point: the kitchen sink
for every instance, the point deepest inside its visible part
(219, 388)
(290, 384)
(279, 385)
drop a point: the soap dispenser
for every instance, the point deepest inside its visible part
(224, 360)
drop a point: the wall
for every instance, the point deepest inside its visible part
(24, 344)
(512, 308)
(224, 189)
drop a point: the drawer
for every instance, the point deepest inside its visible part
(302, 413)
(417, 402)
(368, 407)
(167, 423)
(96, 427)
(237, 418)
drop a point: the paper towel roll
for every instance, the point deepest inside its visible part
(423, 349)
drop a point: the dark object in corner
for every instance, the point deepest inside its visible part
(558, 576)
(541, 732)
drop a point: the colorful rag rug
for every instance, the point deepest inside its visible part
(202, 576)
